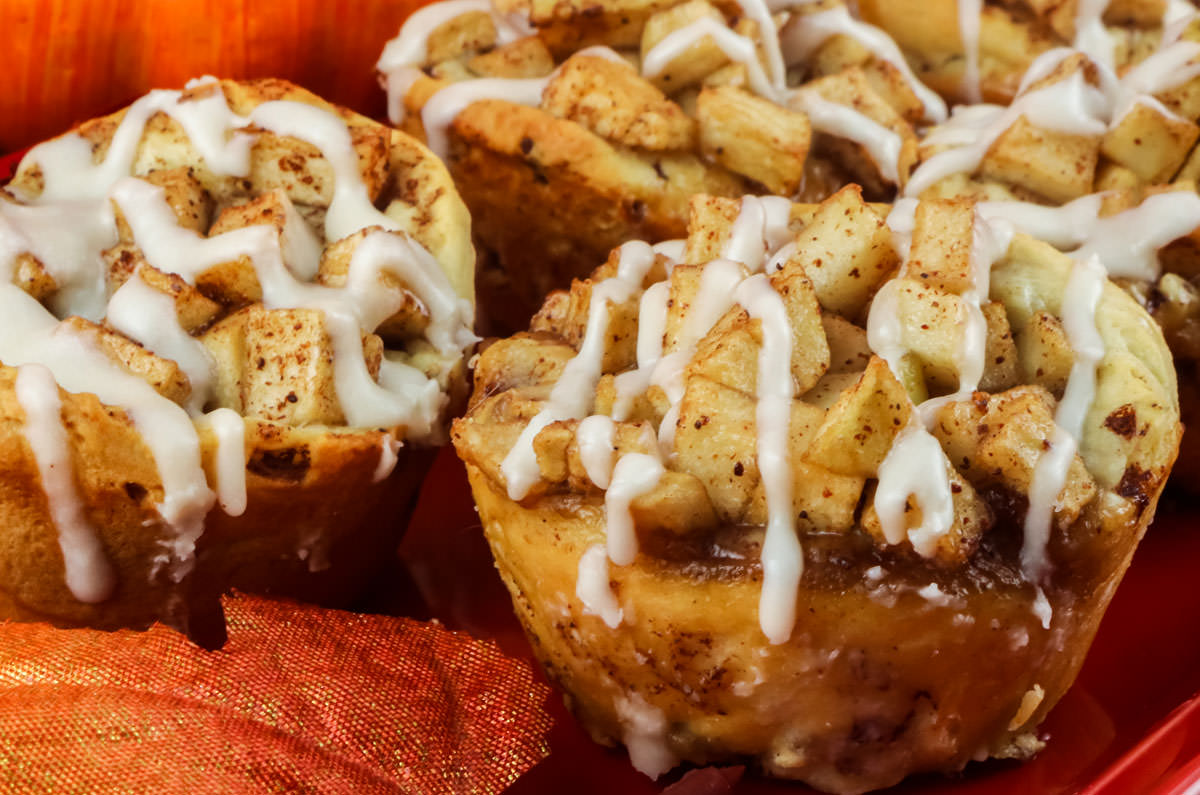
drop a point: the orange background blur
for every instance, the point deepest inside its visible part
(67, 61)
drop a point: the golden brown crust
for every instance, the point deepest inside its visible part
(318, 520)
(515, 165)
(875, 684)
(316, 523)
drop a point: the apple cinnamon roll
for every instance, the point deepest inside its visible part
(770, 494)
(234, 323)
(570, 130)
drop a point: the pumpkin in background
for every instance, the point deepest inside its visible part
(73, 60)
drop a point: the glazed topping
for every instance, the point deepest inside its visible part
(401, 56)
(782, 559)
(969, 12)
(68, 224)
(1126, 243)
(804, 33)
(760, 229)
(592, 586)
(230, 429)
(597, 447)
(572, 395)
(1079, 303)
(443, 108)
(737, 48)
(843, 121)
(1070, 105)
(89, 574)
(389, 456)
(147, 316)
(1091, 36)
(915, 468)
(782, 38)
(634, 475)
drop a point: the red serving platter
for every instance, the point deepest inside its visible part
(1130, 724)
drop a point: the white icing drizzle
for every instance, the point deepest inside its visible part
(652, 322)
(450, 316)
(1066, 227)
(1127, 242)
(397, 83)
(804, 34)
(402, 57)
(66, 162)
(736, 47)
(671, 249)
(1080, 299)
(572, 396)
(782, 557)
(634, 475)
(402, 395)
(230, 431)
(73, 260)
(901, 221)
(1069, 106)
(596, 437)
(443, 108)
(1091, 36)
(1176, 16)
(389, 456)
(644, 733)
(915, 466)
(760, 13)
(148, 316)
(594, 589)
(832, 118)
(351, 208)
(666, 433)
(1169, 67)
(969, 19)
(761, 227)
(718, 280)
(933, 594)
(885, 332)
(89, 574)
(989, 242)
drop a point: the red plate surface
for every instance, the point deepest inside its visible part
(1130, 724)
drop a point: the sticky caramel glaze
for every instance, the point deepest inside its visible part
(877, 681)
(308, 484)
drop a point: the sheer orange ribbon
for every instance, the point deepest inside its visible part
(301, 699)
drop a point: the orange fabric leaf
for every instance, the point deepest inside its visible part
(301, 699)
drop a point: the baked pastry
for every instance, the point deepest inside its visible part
(1097, 163)
(771, 494)
(233, 326)
(980, 51)
(572, 128)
